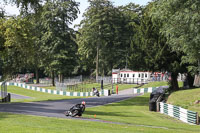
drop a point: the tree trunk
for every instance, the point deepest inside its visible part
(37, 75)
(174, 82)
(97, 63)
(60, 76)
(190, 80)
(53, 76)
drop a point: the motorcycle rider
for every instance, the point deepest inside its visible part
(95, 91)
(78, 107)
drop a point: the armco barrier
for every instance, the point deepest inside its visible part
(146, 90)
(64, 93)
(179, 113)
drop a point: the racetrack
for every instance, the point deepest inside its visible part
(57, 108)
(16, 96)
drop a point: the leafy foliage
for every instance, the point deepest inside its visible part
(152, 49)
(181, 27)
(18, 44)
(57, 41)
(104, 29)
(26, 5)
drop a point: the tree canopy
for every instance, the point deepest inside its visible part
(161, 36)
(181, 27)
(102, 39)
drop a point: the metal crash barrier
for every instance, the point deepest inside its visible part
(5, 96)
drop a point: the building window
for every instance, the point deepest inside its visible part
(121, 75)
(139, 75)
(127, 75)
(133, 75)
(145, 75)
(124, 75)
(142, 75)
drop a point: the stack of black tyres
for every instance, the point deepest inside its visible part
(160, 92)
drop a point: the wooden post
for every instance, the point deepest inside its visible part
(197, 118)
(158, 106)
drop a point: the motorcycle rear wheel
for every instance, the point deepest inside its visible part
(74, 113)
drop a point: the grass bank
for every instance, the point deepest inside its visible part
(136, 111)
(34, 95)
(159, 83)
(186, 99)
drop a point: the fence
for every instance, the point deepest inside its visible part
(130, 80)
(75, 80)
(46, 81)
(179, 113)
(64, 93)
(67, 81)
(171, 110)
(106, 79)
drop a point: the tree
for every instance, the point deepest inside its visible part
(2, 39)
(181, 27)
(26, 5)
(18, 45)
(131, 17)
(154, 50)
(102, 39)
(57, 39)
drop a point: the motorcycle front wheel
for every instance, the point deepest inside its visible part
(66, 113)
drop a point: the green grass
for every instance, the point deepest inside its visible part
(121, 86)
(49, 87)
(159, 83)
(79, 87)
(11, 123)
(35, 95)
(136, 111)
(186, 99)
(133, 113)
(88, 87)
(155, 84)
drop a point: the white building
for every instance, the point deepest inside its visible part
(129, 76)
(138, 77)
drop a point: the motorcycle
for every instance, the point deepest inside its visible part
(76, 110)
(96, 92)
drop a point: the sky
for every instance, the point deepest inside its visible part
(11, 9)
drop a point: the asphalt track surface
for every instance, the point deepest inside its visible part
(57, 108)
(16, 96)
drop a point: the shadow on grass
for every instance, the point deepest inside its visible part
(136, 101)
(4, 115)
(110, 114)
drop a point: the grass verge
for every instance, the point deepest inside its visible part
(159, 83)
(186, 99)
(133, 113)
(35, 95)
(88, 87)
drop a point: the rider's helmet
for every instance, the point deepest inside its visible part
(83, 102)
